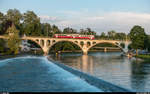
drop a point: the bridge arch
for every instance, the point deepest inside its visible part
(37, 41)
(73, 42)
(113, 43)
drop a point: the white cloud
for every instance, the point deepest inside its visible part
(119, 21)
(46, 18)
(95, 18)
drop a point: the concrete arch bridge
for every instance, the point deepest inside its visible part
(84, 44)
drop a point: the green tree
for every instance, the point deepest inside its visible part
(55, 30)
(66, 30)
(87, 31)
(111, 34)
(1, 21)
(90, 32)
(1, 17)
(120, 36)
(69, 31)
(15, 16)
(122, 45)
(13, 41)
(46, 29)
(147, 43)
(2, 46)
(148, 46)
(31, 24)
(82, 31)
(129, 46)
(103, 35)
(67, 46)
(137, 36)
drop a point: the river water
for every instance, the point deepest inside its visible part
(34, 73)
(37, 74)
(111, 67)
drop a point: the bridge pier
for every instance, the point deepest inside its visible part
(85, 48)
(105, 49)
(45, 53)
(85, 52)
(45, 50)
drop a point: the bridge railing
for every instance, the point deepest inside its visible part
(70, 38)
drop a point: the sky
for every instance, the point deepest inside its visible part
(99, 15)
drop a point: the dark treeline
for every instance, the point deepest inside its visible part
(29, 24)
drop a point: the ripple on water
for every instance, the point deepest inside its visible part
(112, 68)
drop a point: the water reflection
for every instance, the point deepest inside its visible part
(82, 62)
(140, 75)
(86, 63)
(111, 67)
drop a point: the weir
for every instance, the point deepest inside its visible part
(45, 76)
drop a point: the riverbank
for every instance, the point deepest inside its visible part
(39, 53)
(144, 57)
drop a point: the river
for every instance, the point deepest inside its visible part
(36, 73)
(111, 67)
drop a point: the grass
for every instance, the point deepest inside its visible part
(143, 56)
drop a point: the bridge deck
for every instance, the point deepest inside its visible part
(66, 39)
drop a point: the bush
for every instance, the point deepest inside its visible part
(144, 56)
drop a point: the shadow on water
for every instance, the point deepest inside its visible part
(140, 75)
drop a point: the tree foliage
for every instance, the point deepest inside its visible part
(13, 41)
(2, 23)
(46, 29)
(31, 24)
(2, 46)
(122, 45)
(65, 46)
(111, 34)
(69, 31)
(137, 36)
(147, 43)
(87, 31)
(14, 15)
(55, 30)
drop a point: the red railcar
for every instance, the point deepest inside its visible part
(74, 36)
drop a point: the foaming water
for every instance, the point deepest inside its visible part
(9, 60)
(37, 74)
(22, 57)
